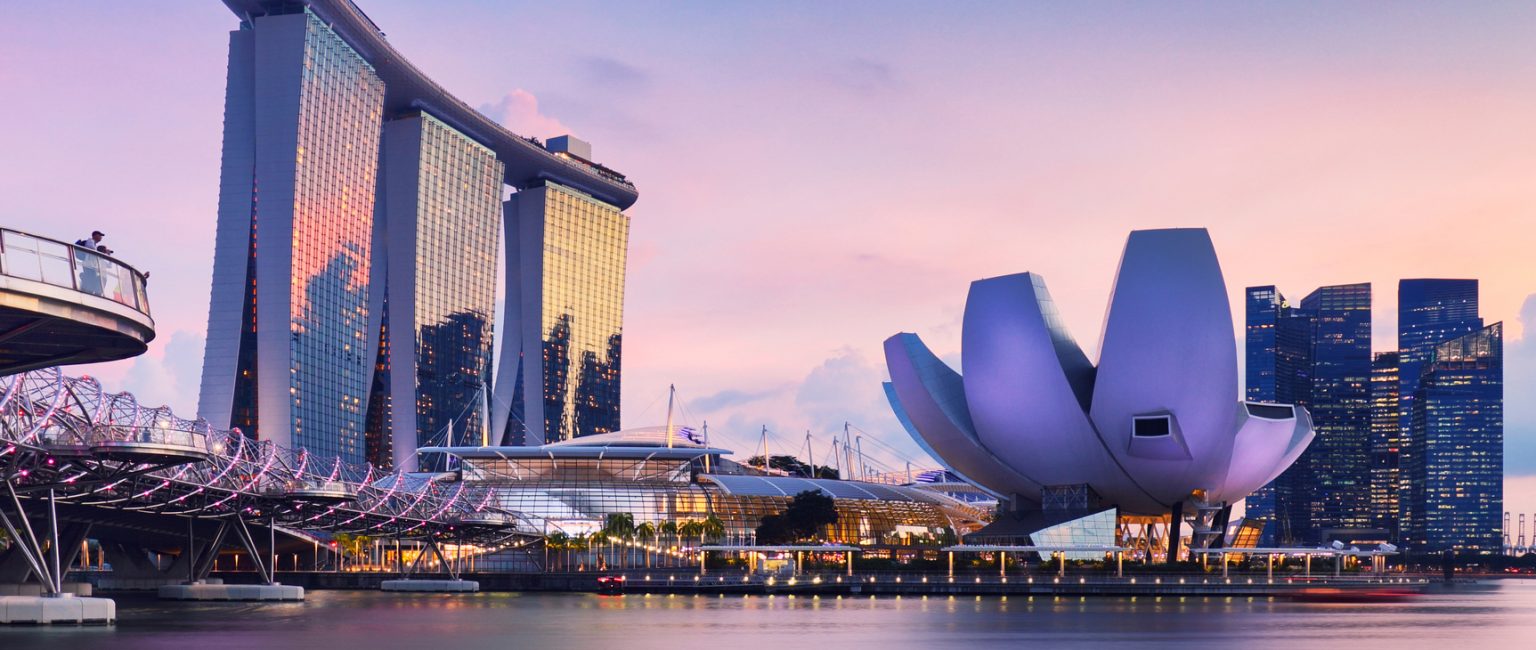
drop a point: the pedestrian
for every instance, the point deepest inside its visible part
(93, 241)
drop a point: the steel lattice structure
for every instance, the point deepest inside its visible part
(67, 437)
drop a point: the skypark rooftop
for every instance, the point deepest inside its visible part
(408, 89)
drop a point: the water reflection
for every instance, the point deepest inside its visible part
(1500, 612)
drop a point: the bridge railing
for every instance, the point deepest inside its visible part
(30, 257)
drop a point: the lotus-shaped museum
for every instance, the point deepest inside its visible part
(1155, 424)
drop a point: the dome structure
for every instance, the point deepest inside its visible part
(1156, 422)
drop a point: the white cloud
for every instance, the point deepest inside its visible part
(169, 376)
(519, 112)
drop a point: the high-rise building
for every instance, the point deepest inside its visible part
(1430, 311)
(1321, 359)
(1265, 307)
(287, 349)
(1456, 464)
(1386, 444)
(354, 270)
(439, 223)
(559, 375)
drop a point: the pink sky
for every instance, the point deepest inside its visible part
(815, 178)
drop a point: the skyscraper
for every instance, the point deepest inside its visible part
(440, 222)
(559, 378)
(1456, 466)
(1265, 307)
(1386, 444)
(287, 349)
(1429, 312)
(1321, 359)
(354, 270)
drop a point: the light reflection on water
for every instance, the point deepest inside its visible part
(1497, 612)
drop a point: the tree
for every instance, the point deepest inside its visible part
(793, 466)
(646, 532)
(619, 525)
(808, 513)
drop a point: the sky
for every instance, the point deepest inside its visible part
(815, 177)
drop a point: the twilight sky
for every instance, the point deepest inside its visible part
(815, 177)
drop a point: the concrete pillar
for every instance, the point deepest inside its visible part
(1174, 524)
(1223, 565)
(1119, 564)
(850, 563)
(951, 564)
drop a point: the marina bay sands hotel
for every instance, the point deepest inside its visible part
(354, 282)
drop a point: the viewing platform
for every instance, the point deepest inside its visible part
(64, 304)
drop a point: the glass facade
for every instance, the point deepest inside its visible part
(1456, 494)
(1430, 311)
(335, 174)
(573, 297)
(1317, 355)
(1386, 444)
(574, 496)
(441, 223)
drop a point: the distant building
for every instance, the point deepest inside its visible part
(1456, 464)
(1321, 358)
(1265, 306)
(1386, 444)
(1429, 311)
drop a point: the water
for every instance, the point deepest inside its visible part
(1500, 613)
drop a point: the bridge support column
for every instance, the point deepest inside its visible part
(26, 541)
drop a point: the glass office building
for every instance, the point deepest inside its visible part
(1317, 355)
(287, 350)
(1457, 466)
(1386, 444)
(559, 375)
(1265, 306)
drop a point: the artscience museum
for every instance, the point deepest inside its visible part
(1154, 430)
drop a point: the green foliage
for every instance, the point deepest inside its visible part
(794, 466)
(808, 513)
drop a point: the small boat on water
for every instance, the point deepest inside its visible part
(1352, 595)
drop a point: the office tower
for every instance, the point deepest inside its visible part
(1264, 308)
(439, 221)
(1429, 312)
(287, 350)
(1386, 441)
(354, 267)
(559, 374)
(1321, 359)
(1456, 492)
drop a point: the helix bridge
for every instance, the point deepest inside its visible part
(66, 444)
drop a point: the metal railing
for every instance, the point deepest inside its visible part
(60, 264)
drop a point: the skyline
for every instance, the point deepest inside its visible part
(712, 237)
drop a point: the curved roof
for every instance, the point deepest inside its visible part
(637, 437)
(409, 89)
(787, 486)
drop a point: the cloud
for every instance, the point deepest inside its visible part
(1520, 381)
(519, 112)
(614, 74)
(170, 377)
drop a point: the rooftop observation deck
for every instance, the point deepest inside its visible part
(408, 89)
(63, 304)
